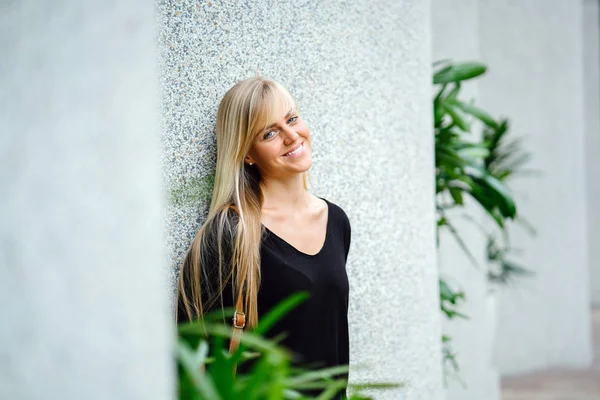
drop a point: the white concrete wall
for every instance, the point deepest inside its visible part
(456, 36)
(591, 52)
(361, 72)
(535, 52)
(85, 308)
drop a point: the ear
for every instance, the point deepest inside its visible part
(248, 160)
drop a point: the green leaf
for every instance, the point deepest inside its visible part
(201, 353)
(222, 369)
(274, 315)
(525, 224)
(248, 338)
(478, 113)
(332, 390)
(446, 155)
(445, 291)
(451, 314)
(456, 194)
(254, 387)
(442, 72)
(461, 243)
(324, 373)
(439, 93)
(356, 389)
(442, 61)
(290, 394)
(457, 117)
(501, 195)
(459, 72)
(438, 113)
(452, 95)
(449, 301)
(473, 152)
(202, 382)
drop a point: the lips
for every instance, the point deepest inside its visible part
(294, 150)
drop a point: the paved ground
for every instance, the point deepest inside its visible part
(559, 384)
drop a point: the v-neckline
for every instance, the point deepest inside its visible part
(324, 242)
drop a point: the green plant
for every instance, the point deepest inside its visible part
(449, 362)
(471, 166)
(266, 373)
(476, 167)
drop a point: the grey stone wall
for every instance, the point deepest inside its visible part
(361, 74)
(85, 310)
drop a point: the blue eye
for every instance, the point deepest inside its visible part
(265, 136)
(293, 119)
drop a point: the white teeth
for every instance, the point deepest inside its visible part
(295, 151)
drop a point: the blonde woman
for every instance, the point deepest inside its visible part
(266, 236)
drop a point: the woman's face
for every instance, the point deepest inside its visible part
(284, 147)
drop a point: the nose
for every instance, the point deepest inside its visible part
(289, 135)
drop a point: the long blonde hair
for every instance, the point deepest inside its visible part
(234, 217)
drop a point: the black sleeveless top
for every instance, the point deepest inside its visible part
(317, 329)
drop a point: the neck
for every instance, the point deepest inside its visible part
(285, 194)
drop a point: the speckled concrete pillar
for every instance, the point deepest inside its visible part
(85, 308)
(456, 37)
(536, 50)
(361, 72)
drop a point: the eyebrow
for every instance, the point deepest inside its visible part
(286, 116)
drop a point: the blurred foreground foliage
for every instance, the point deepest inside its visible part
(206, 368)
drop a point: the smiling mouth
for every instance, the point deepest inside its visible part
(296, 150)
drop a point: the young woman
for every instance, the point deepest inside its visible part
(266, 236)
